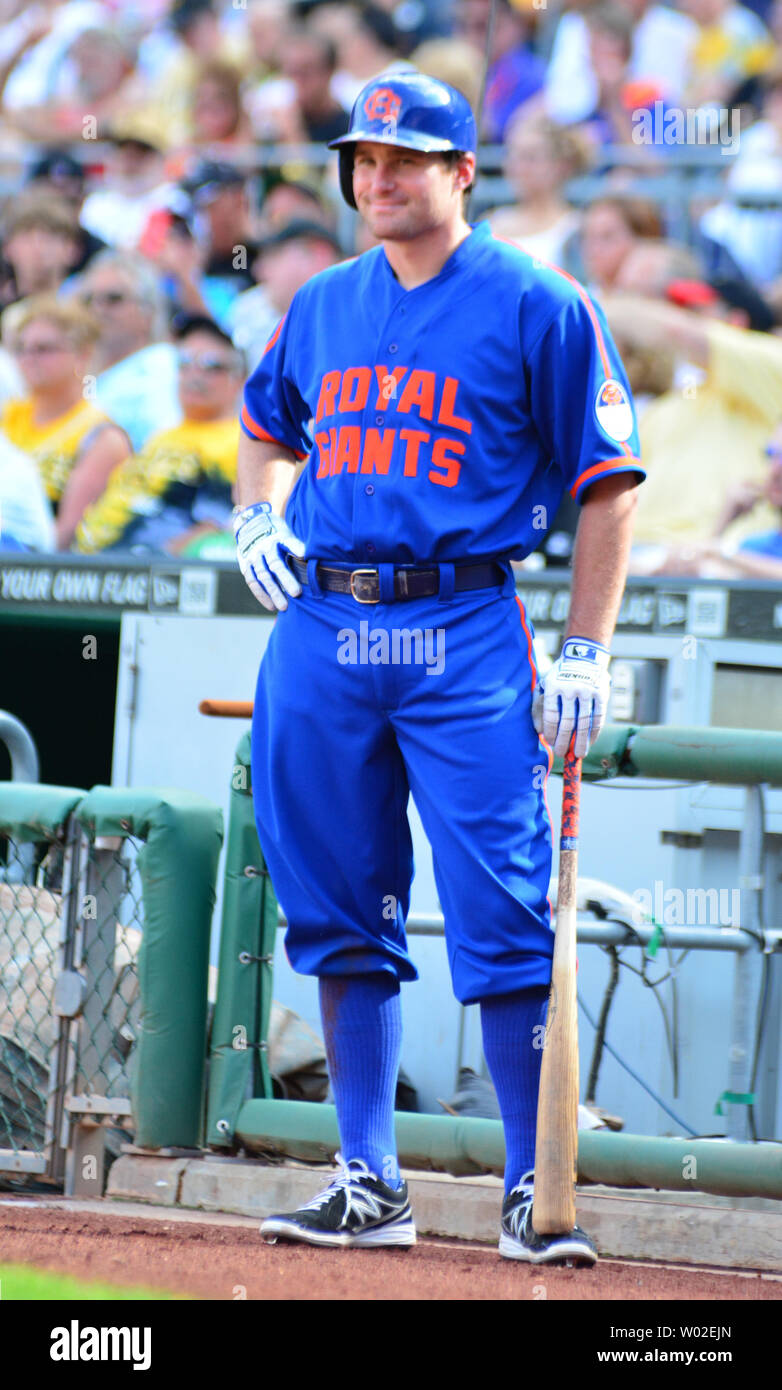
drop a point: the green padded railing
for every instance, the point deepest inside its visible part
(238, 1052)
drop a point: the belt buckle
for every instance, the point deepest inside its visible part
(353, 575)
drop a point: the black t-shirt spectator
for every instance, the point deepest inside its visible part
(222, 264)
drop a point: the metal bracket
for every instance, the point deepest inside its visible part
(97, 1105)
(22, 1162)
(70, 990)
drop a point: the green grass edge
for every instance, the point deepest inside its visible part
(29, 1283)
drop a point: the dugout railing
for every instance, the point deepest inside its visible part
(104, 949)
(243, 1115)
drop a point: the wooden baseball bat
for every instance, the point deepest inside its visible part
(556, 1144)
(227, 709)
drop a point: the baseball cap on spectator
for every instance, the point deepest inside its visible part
(135, 129)
(185, 12)
(57, 173)
(691, 294)
(183, 324)
(302, 9)
(208, 180)
(55, 165)
(741, 294)
(308, 190)
(301, 228)
(736, 294)
(640, 92)
(285, 200)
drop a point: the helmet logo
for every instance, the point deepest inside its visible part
(382, 105)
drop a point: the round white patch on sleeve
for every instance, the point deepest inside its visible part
(613, 410)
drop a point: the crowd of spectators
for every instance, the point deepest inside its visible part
(161, 202)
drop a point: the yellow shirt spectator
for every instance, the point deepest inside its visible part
(152, 495)
(736, 46)
(699, 442)
(56, 446)
(74, 444)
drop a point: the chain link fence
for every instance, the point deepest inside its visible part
(69, 996)
(30, 922)
(108, 936)
(106, 899)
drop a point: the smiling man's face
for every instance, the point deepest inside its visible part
(402, 194)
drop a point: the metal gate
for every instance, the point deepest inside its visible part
(70, 916)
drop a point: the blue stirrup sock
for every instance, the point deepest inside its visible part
(513, 1047)
(362, 1030)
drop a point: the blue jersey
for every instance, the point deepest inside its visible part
(445, 422)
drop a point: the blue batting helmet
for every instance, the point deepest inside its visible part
(407, 109)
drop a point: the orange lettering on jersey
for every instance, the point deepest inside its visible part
(377, 451)
(387, 385)
(414, 439)
(356, 382)
(323, 442)
(419, 390)
(446, 416)
(440, 459)
(329, 387)
(348, 449)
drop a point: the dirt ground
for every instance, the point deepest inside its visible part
(224, 1262)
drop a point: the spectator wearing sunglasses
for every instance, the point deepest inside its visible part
(137, 380)
(175, 496)
(73, 443)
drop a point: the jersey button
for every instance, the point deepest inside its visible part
(371, 547)
(369, 489)
(393, 347)
(378, 419)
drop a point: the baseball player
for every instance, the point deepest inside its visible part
(443, 389)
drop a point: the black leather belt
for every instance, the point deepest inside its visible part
(410, 581)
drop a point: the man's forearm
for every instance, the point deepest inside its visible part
(650, 323)
(265, 473)
(600, 558)
(747, 563)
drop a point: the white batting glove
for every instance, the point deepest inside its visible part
(260, 537)
(573, 694)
